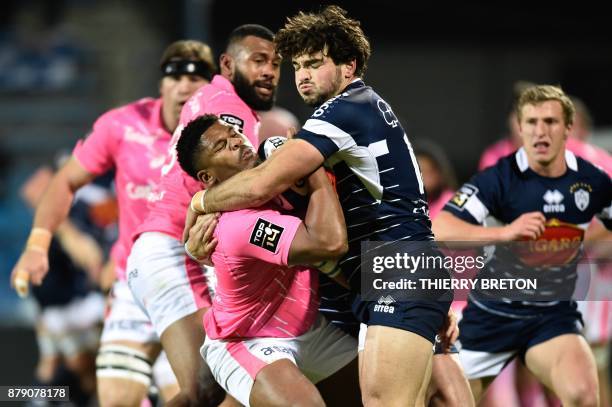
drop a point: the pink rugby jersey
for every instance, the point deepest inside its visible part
(167, 211)
(131, 139)
(257, 294)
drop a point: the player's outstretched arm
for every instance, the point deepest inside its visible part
(448, 227)
(51, 211)
(295, 160)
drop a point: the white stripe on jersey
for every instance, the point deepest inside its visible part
(476, 208)
(345, 178)
(360, 160)
(379, 148)
(370, 221)
(363, 206)
(606, 213)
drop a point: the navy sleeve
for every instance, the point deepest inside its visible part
(320, 141)
(333, 126)
(478, 198)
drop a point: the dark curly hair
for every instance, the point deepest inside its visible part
(189, 146)
(307, 33)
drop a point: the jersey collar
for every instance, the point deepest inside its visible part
(357, 83)
(523, 164)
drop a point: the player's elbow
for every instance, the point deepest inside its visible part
(338, 249)
(334, 249)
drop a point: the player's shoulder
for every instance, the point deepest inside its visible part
(350, 106)
(137, 110)
(594, 175)
(586, 167)
(504, 171)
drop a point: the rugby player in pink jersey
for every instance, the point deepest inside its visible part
(169, 286)
(266, 342)
(132, 139)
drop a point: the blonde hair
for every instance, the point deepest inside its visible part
(534, 95)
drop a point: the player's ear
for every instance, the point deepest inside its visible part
(227, 65)
(349, 68)
(207, 178)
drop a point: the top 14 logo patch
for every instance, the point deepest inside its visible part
(266, 235)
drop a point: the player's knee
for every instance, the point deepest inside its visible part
(369, 401)
(115, 393)
(449, 397)
(373, 397)
(583, 393)
(124, 376)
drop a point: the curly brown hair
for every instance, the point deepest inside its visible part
(330, 30)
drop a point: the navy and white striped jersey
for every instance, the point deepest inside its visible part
(509, 189)
(378, 180)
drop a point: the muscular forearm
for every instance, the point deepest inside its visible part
(54, 205)
(447, 227)
(251, 188)
(324, 220)
(243, 190)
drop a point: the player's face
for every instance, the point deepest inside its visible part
(227, 151)
(544, 132)
(317, 77)
(175, 91)
(256, 73)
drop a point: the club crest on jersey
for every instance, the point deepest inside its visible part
(266, 235)
(463, 195)
(553, 201)
(582, 195)
(233, 120)
(387, 113)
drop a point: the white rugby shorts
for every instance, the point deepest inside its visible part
(319, 353)
(165, 283)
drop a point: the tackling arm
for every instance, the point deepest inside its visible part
(295, 160)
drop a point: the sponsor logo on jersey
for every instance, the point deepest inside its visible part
(266, 235)
(132, 135)
(384, 304)
(558, 245)
(233, 120)
(268, 350)
(553, 201)
(327, 104)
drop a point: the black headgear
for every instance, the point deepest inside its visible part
(179, 67)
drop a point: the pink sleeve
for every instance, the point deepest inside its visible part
(259, 234)
(96, 153)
